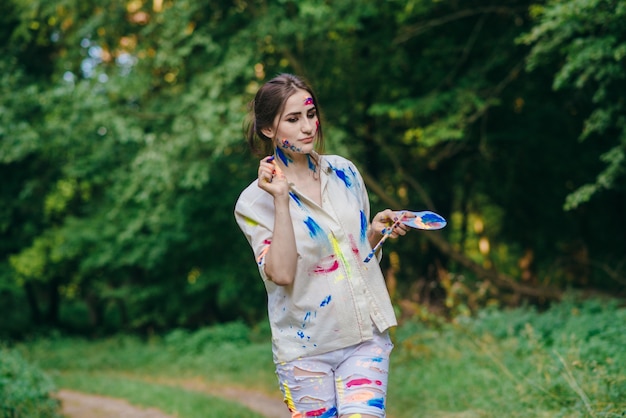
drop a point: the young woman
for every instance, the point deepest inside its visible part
(306, 218)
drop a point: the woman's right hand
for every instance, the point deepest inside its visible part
(272, 179)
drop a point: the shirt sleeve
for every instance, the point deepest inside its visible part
(256, 221)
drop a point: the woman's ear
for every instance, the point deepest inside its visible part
(268, 132)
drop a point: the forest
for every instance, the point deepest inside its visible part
(122, 150)
(122, 153)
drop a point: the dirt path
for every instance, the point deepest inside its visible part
(82, 405)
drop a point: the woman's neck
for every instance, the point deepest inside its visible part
(298, 166)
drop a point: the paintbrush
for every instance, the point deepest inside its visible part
(386, 234)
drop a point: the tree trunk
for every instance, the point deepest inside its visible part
(33, 304)
(500, 280)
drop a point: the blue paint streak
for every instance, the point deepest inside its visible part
(314, 228)
(432, 217)
(377, 359)
(377, 402)
(295, 198)
(326, 301)
(332, 412)
(312, 165)
(342, 176)
(363, 227)
(283, 157)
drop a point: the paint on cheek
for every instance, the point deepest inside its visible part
(287, 145)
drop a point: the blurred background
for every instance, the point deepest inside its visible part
(122, 152)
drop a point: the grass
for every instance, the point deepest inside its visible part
(566, 362)
(172, 400)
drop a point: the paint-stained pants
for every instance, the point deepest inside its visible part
(349, 381)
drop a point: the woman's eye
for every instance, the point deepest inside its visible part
(292, 120)
(312, 115)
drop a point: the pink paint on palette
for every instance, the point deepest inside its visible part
(423, 220)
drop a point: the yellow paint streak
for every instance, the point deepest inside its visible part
(339, 253)
(339, 386)
(289, 399)
(250, 222)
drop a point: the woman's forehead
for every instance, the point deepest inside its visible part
(301, 98)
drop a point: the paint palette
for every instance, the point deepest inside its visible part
(424, 220)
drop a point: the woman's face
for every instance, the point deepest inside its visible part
(295, 130)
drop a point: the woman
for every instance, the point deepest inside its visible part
(306, 218)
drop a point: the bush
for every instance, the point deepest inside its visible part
(24, 389)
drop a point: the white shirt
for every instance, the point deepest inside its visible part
(335, 296)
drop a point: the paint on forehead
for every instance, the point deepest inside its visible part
(308, 101)
(283, 157)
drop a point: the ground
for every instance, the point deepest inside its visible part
(82, 405)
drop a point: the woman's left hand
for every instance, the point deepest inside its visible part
(386, 219)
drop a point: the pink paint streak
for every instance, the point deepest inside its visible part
(360, 382)
(321, 270)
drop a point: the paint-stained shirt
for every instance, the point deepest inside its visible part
(335, 296)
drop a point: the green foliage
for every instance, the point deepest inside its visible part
(121, 152)
(566, 361)
(24, 389)
(589, 40)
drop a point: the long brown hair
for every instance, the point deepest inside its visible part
(270, 102)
